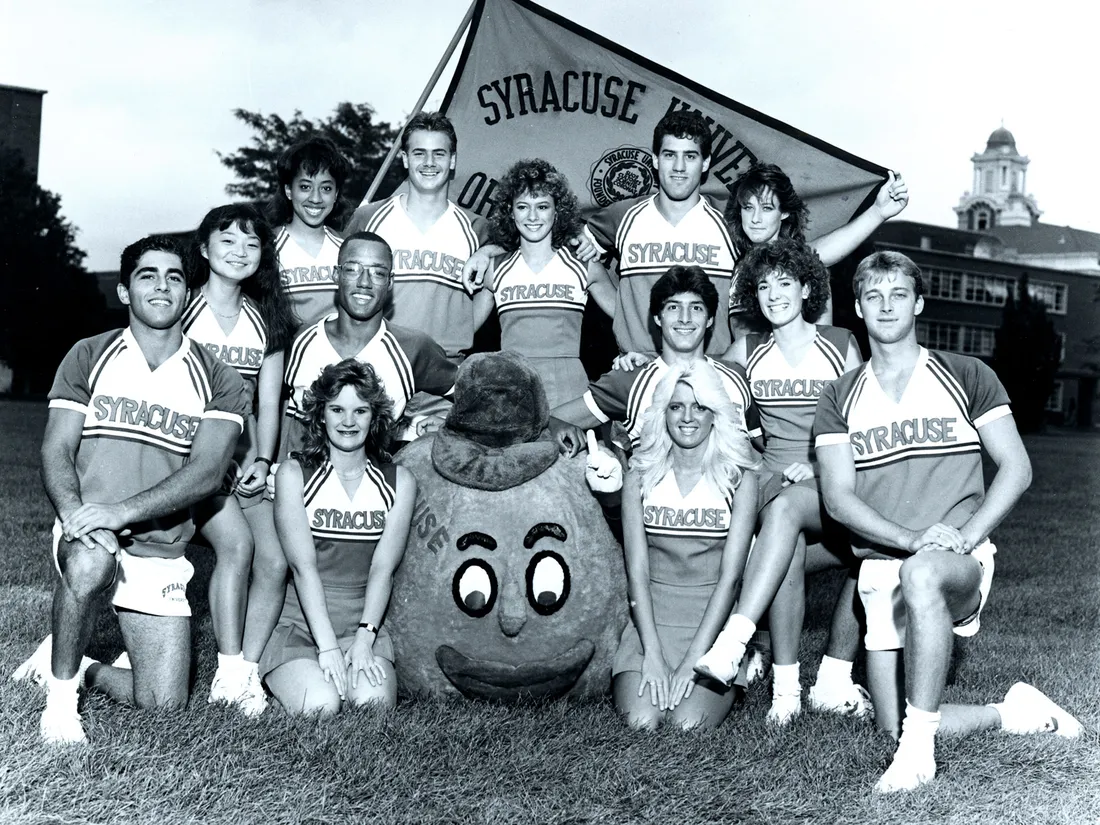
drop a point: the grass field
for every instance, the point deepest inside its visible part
(568, 763)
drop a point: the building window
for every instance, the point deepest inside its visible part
(990, 290)
(1004, 176)
(969, 340)
(1054, 403)
(988, 181)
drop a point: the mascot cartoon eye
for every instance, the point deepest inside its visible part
(547, 582)
(474, 588)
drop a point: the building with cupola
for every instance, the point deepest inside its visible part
(970, 270)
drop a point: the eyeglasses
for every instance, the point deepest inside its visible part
(352, 271)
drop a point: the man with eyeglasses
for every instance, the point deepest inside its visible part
(406, 360)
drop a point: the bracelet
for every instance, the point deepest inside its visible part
(319, 651)
(262, 460)
(369, 626)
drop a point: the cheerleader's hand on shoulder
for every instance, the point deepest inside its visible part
(603, 472)
(629, 361)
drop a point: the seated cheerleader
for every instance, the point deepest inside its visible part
(342, 512)
(689, 505)
(540, 289)
(787, 287)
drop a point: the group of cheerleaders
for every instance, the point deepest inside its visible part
(319, 643)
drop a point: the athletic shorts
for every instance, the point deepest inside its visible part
(146, 584)
(880, 592)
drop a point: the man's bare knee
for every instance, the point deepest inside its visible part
(86, 572)
(920, 578)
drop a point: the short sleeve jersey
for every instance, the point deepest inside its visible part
(243, 348)
(428, 293)
(688, 531)
(917, 462)
(309, 281)
(541, 314)
(139, 422)
(786, 394)
(346, 530)
(646, 245)
(625, 396)
(405, 360)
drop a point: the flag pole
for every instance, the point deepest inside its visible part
(462, 27)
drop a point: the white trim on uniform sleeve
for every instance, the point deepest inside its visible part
(590, 402)
(588, 234)
(992, 415)
(66, 404)
(829, 439)
(225, 416)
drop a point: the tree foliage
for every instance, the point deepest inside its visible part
(351, 127)
(1026, 356)
(49, 300)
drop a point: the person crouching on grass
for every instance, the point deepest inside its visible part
(915, 501)
(689, 506)
(342, 512)
(142, 425)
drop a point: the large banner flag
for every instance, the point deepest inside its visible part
(530, 83)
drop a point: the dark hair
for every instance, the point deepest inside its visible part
(429, 122)
(370, 389)
(308, 157)
(796, 259)
(539, 178)
(883, 263)
(370, 237)
(683, 124)
(761, 178)
(131, 255)
(683, 279)
(264, 286)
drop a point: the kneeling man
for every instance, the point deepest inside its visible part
(899, 440)
(142, 425)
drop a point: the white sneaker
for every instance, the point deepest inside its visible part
(36, 668)
(722, 660)
(847, 700)
(908, 771)
(1026, 709)
(61, 727)
(784, 710)
(240, 687)
(252, 701)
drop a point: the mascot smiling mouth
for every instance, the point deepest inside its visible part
(497, 681)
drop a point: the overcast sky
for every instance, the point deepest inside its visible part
(140, 94)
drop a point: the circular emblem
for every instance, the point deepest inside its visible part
(626, 172)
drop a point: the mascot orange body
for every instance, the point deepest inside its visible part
(512, 585)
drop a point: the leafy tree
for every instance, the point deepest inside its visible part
(1026, 356)
(351, 127)
(49, 300)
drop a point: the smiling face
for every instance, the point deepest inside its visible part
(157, 292)
(680, 166)
(689, 423)
(761, 218)
(312, 197)
(509, 594)
(347, 421)
(429, 160)
(362, 294)
(889, 307)
(781, 296)
(233, 252)
(684, 322)
(534, 215)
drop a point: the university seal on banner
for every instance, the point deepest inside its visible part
(626, 172)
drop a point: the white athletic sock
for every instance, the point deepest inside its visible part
(919, 727)
(231, 663)
(834, 672)
(61, 693)
(785, 680)
(740, 628)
